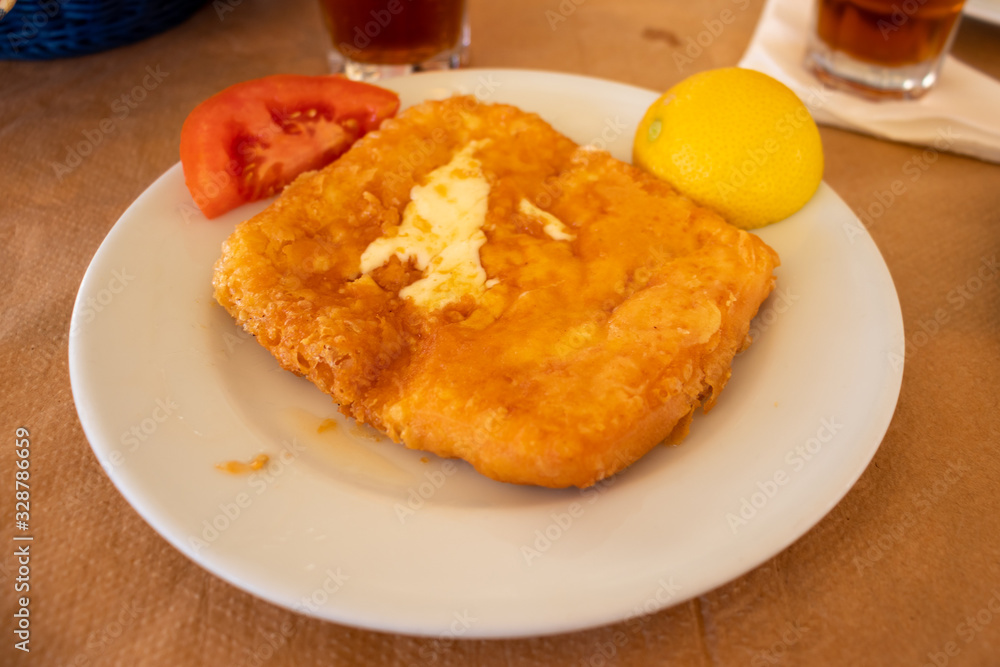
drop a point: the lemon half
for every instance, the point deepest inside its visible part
(734, 140)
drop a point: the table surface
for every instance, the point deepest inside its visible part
(905, 570)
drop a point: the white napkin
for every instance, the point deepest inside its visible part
(961, 113)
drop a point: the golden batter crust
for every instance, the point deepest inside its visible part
(594, 341)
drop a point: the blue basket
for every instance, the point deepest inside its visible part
(46, 29)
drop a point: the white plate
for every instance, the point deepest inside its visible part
(166, 387)
(984, 10)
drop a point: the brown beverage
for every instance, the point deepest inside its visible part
(891, 33)
(393, 31)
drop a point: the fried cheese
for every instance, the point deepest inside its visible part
(474, 284)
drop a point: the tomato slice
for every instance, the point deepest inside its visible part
(252, 139)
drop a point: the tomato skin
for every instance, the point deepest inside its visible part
(250, 140)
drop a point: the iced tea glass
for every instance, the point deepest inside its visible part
(881, 48)
(374, 39)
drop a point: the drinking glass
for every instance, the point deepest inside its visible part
(374, 39)
(881, 48)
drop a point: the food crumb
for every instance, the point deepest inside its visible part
(239, 467)
(424, 459)
(326, 425)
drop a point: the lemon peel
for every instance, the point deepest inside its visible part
(734, 140)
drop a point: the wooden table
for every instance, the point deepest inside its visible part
(905, 570)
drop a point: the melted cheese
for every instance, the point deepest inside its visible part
(553, 226)
(441, 232)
